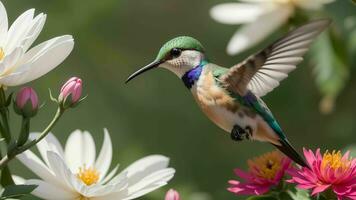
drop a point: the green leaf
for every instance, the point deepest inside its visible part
(299, 194)
(16, 191)
(6, 178)
(262, 197)
(285, 196)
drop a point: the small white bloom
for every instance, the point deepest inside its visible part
(260, 18)
(76, 173)
(18, 63)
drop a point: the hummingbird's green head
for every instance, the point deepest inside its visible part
(178, 55)
(178, 43)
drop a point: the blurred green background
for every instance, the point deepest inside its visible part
(155, 114)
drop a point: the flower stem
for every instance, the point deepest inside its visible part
(45, 132)
(20, 149)
(6, 178)
(4, 128)
(25, 131)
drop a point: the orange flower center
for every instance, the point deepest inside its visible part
(335, 161)
(88, 176)
(267, 165)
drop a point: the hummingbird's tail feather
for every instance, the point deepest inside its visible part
(289, 151)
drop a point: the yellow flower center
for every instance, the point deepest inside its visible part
(267, 165)
(335, 161)
(89, 175)
(81, 197)
(2, 53)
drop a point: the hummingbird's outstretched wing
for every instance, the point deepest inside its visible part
(262, 72)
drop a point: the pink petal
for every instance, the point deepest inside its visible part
(309, 156)
(233, 182)
(342, 189)
(243, 174)
(241, 189)
(305, 187)
(302, 181)
(249, 188)
(346, 155)
(320, 188)
(318, 155)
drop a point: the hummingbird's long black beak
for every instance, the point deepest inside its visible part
(152, 65)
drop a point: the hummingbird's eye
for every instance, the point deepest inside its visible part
(175, 52)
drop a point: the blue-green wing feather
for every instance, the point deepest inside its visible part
(261, 108)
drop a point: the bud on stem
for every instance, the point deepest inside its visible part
(70, 93)
(26, 103)
(172, 195)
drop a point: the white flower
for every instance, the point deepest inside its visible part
(260, 18)
(74, 173)
(18, 63)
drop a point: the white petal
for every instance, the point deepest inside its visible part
(118, 178)
(34, 30)
(103, 162)
(40, 60)
(11, 78)
(145, 166)
(18, 30)
(36, 52)
(61, 170)
(151, 182)
(31, 161)
(253, 33)
(51, 192)
(80, 150)
(18, 180)
(8, 63)
(3, 24)
(102, 190)
(49, 143)
(121, 195)
(237, 13)
(79, 186)
(110, 175)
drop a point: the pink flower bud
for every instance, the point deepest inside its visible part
(71, 91)
(26, 102)
(172, 195)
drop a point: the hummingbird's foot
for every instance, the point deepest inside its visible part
(238, 133)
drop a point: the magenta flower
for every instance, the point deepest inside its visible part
(264, 172)
(172, 195)
(26, 102)
(331, 171)
(71, 92)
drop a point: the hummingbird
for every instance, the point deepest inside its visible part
(231, 97)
